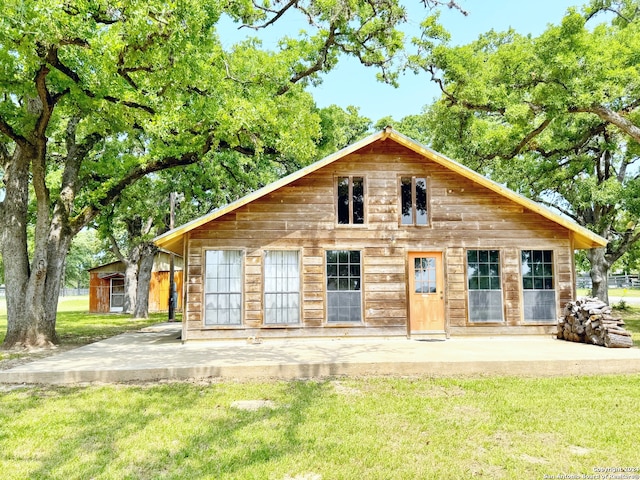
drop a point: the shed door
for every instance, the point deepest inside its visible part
(117, 295)
(426, 293)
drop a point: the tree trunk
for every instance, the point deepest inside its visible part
(144, 281)
(130, 284)
(32, 289)
(13, 242)
(599, 273)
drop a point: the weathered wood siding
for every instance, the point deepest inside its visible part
(302, 216)
(159, 291)
(100, 291)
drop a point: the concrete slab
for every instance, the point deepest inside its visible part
(157, 353)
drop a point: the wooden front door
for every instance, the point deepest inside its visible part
(426, 293)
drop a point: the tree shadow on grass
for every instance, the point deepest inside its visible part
(167, 431)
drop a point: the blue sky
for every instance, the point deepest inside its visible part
(353, 84)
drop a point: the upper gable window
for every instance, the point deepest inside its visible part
(413, 201)
(350, 201)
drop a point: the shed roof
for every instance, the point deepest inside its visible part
(173, 240)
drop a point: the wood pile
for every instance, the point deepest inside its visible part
(589, 320)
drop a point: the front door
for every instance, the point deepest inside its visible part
(426, 293)
(116, 302)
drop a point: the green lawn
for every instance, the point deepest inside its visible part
(344, 428)
(613, 292)
(373, 428)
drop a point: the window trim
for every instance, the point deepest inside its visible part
(221, 326)
(414, 201)
(469, 290)
(265, 292)
(554, 280)
(328, 322)
(336, 194)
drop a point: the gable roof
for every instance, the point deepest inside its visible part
(173, 240)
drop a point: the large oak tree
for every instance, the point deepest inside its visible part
(555, 117)
(96, 94)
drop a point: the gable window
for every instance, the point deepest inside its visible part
(485, 287)
(350, 201)
(223, 287)
(413, 201)
(344, 286)
(539, 295)
(281, 287)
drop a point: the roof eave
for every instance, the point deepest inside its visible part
(173, 239)
(583, 238)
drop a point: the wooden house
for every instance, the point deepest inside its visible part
(385, 237)
(106, 285)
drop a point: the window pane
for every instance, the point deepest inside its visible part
(421, 201)
(484, 286)
(343, 200)
(540, 305)
(223, 287)
(343, 292)
(358, 200)
(282, 291)
(406, 201)
(537, 269)
(485, 306)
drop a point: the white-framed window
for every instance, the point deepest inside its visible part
(484, 286)
(281, 287)
(344, 286)
(223, 287)
(538, 286)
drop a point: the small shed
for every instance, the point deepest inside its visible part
(106, 285)
(385, 237)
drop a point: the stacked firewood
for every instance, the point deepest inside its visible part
(590, 320)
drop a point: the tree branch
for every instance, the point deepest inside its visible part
(628, 238)
(613, 117)
(115, 248)
(12, 134)
(455, 101)
(317, 66)
(278, 14)
(530, 136)
(53, 59)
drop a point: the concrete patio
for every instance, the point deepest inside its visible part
(157, 353)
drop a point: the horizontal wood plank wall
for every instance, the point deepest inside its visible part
(301, 216)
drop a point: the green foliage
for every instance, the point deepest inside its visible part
(554, 117)
(340, 128)
(85, 252)
(150, 81)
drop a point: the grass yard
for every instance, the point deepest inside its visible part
(374, 428)
(341, 428)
